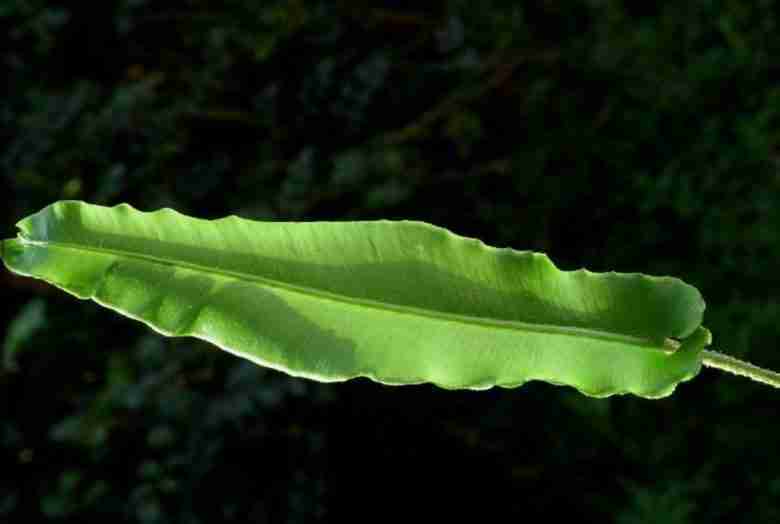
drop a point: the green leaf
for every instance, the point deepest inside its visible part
(399, 302)
(30, 319)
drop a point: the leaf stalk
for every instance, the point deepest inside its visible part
(735, 366)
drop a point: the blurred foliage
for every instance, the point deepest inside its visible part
(629, 136)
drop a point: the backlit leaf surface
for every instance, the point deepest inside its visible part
(400, 302)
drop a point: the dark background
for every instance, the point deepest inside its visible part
(628, 136)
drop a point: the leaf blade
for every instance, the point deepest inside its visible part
(399, 302)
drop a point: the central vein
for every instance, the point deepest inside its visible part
(573, 331)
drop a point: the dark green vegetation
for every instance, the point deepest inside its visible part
(611, 137)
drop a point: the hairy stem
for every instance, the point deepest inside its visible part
(733, 365)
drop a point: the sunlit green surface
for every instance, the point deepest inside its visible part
(398, 302)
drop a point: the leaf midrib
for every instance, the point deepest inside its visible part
(553, 329)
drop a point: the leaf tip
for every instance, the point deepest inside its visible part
(10, 250)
